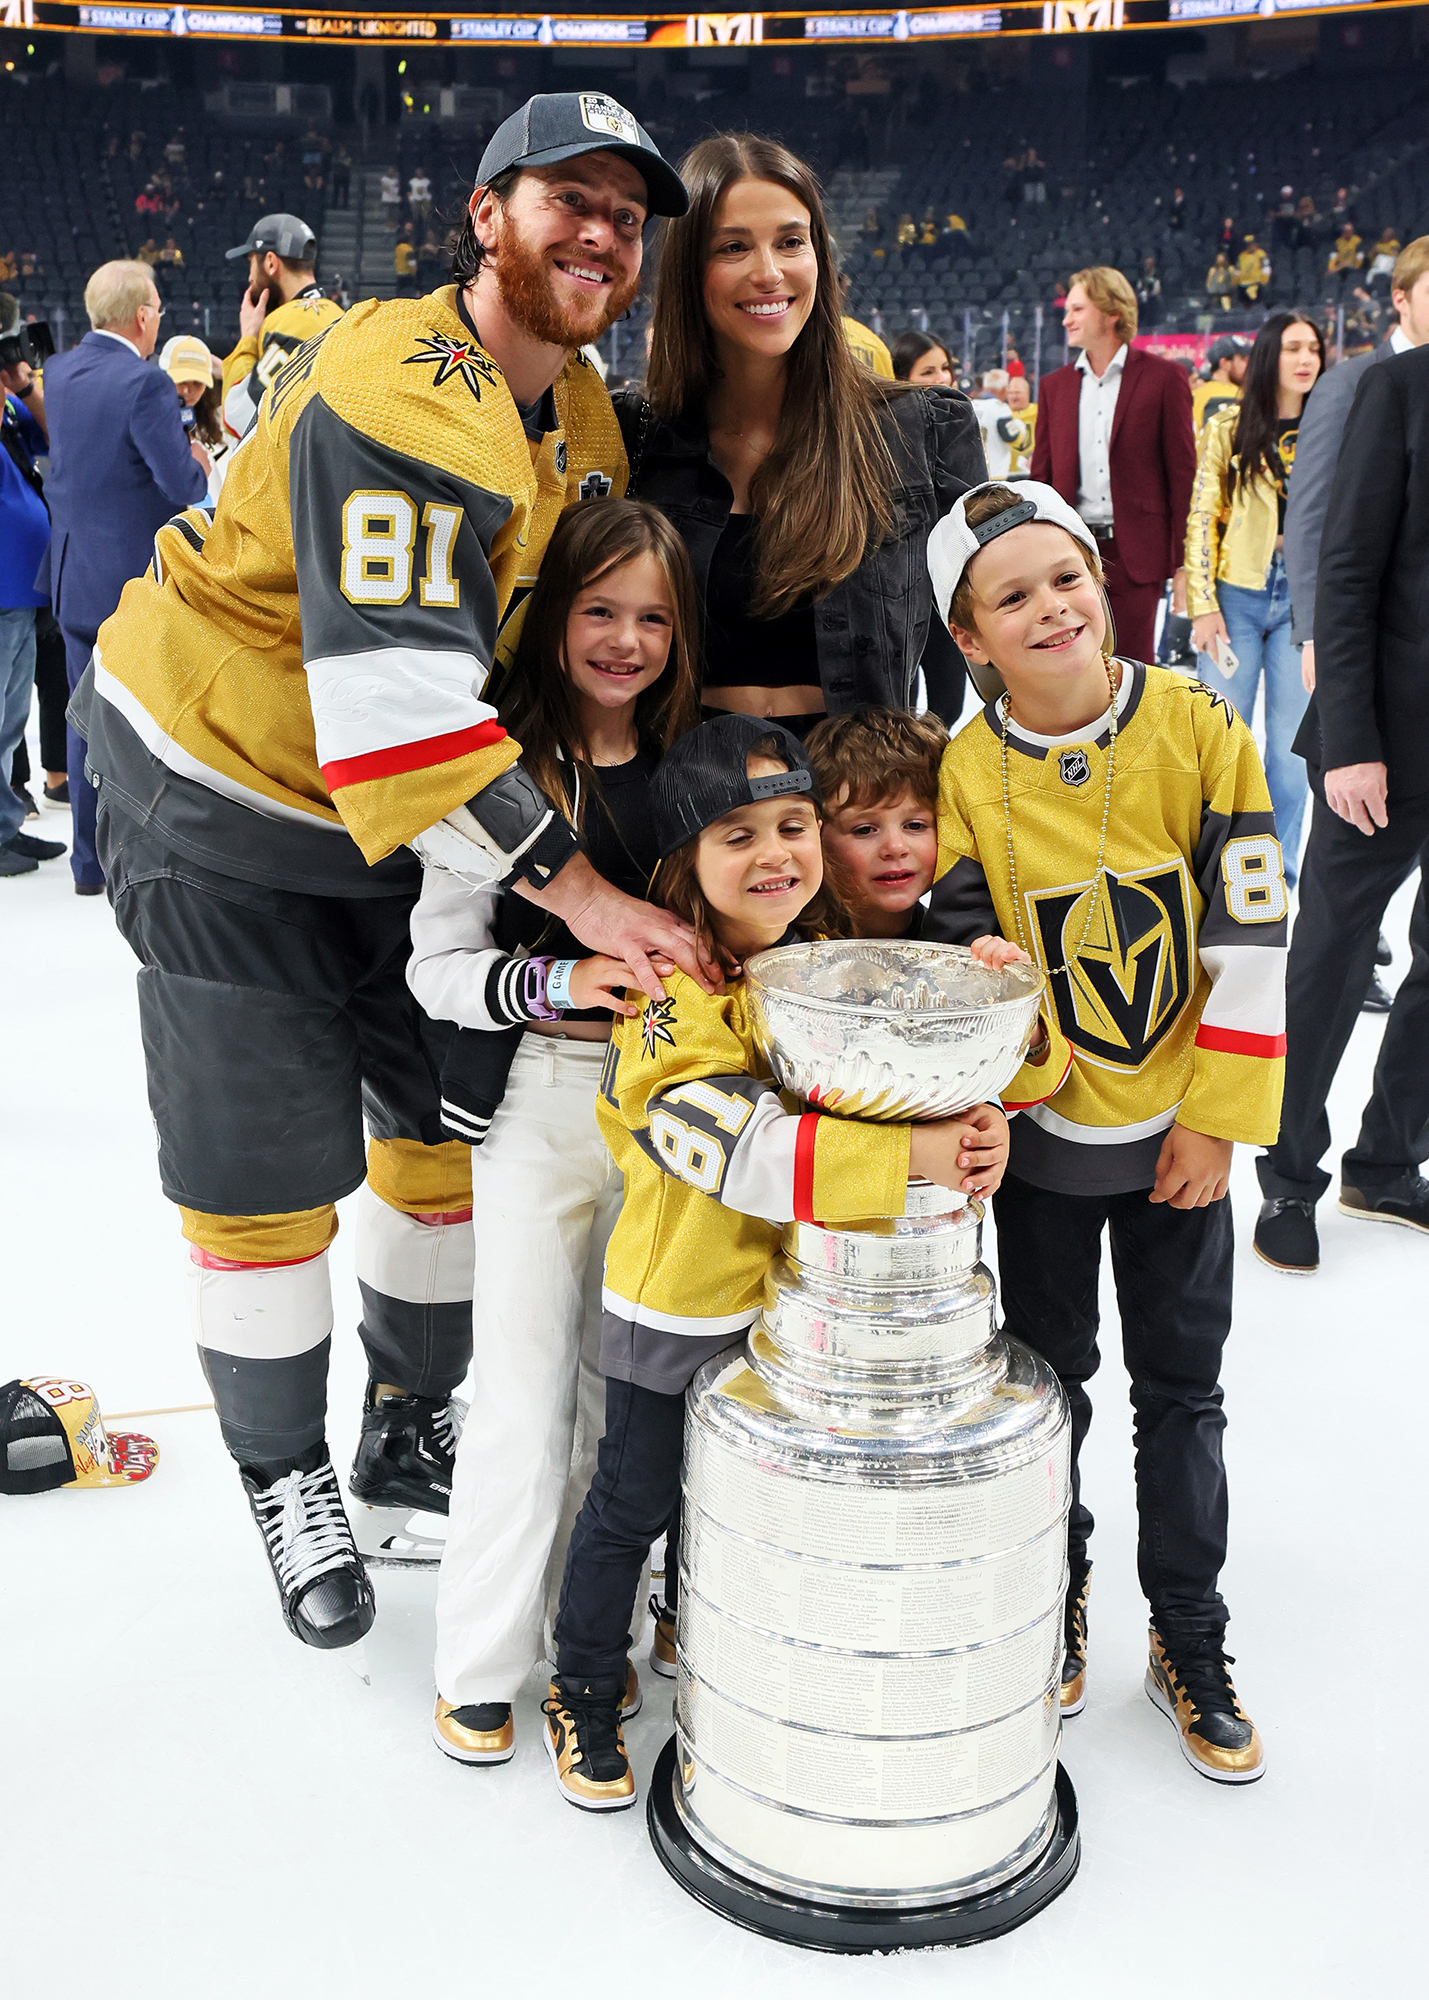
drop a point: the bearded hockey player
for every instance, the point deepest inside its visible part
(283, 707)
(282, 307)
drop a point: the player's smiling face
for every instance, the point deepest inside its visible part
(618, 634)
(761, 271)
(759, 865)
(887, 853)
(568, 246)
(1038, 612)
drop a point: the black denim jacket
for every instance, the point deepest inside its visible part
(873, 627)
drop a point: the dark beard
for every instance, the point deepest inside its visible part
(527, 294)
(267, 295)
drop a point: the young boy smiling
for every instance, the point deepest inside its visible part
(1111, 821)
(878, 771)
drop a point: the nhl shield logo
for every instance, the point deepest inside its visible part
(602, 114)
(1075, 767)
(561, 459)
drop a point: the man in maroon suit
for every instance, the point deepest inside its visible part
(1114, 436)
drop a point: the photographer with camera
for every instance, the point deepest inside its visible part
(24, 537)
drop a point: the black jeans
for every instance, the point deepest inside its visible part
(633, 1499)
(1347, 879)
(1173, 1286)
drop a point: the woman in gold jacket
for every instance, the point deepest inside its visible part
(1235, 569)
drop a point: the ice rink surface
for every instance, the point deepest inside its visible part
(194, 1805)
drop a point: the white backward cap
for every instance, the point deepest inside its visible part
(953, 544)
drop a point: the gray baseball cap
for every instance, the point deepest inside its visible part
(561, 125)
(286, 235)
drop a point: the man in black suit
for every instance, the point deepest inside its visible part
(1365, 741)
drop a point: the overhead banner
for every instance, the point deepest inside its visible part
(663, 31)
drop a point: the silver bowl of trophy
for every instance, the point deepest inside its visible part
(890, 1029)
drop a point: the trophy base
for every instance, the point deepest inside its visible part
(824, 1927)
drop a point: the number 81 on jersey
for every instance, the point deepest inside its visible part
(379, 538)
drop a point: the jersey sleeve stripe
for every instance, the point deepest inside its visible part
(804, 1146)
(1008, 1104)
(411, 756)
(1233, 1042)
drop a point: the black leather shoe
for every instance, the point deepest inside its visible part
(89, 888)
(406, 1451)
(1382, 953)
(1406, 1202)
(1286, 1237)
(1378, 999)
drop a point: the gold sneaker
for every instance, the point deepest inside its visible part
(632, 1699)
(478, 1733)
(662, 1646)
(1074, 1659)
(586, 1745)
(1218, 1738)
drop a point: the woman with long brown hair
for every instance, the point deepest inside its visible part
(603, 683)
(803, 486)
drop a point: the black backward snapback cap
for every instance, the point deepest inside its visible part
(704, 776)
(561, 125)
(288, 235)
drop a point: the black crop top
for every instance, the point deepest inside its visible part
(742, 651)
(620, 845)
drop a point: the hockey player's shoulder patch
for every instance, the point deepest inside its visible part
(459, 359)
(657, 1024)
(1215, 698)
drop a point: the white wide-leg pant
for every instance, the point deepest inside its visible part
(545, 1195)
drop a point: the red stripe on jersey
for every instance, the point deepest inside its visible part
(1233, 1042)
(401, 757)
(1027, 1104)
(209, 1260)
(804, 1142)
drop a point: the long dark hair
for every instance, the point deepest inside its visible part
(823, 493)
(1253, 450)
(909, 348)
(208, 417)
(538, 704)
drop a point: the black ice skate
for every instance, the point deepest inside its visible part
(406, 1451)
(322, 1584)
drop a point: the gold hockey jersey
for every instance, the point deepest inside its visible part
(714, 1165)
(249, 369)
(295, 689)
(1174, 1007)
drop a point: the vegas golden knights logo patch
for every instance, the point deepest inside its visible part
(1129, 983)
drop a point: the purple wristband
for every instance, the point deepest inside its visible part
(534, 974)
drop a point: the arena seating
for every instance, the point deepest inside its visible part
(73, 175)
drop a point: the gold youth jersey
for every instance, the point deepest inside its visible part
(713, 1166)
(1174, 1006)
(249, 369)
(295, 689)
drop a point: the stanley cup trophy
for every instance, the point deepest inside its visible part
(873, 1547)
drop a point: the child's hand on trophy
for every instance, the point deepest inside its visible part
(967, 1153)
(996, 952)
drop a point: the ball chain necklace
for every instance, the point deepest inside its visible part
(1005, 709)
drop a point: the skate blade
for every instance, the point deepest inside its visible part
(397, 1537)
(355, 1660)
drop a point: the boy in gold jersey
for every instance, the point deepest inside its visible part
(1111, 821)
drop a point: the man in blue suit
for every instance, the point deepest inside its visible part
(121, 465)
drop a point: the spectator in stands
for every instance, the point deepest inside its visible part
(171, 257)
(1366, 741)
(429, 263)
(1148, 294)
(1176, 212)
(1227, 237)
(918, 357)
(1381, 263)
(1226, 360)
(957, 237)
(120, 466)
(1220, 283)
(341, 178)
(147, 253)
(1235, 563)
(404, 265)
(24, 536)
(314, 153)
(1252, 272)
(391, 197)
(174, 152)
(778, 460)
(419, 198)
(1114, 437)
(1019, 401)
(1283, 231)
(1346, 258)
(1307, 221)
